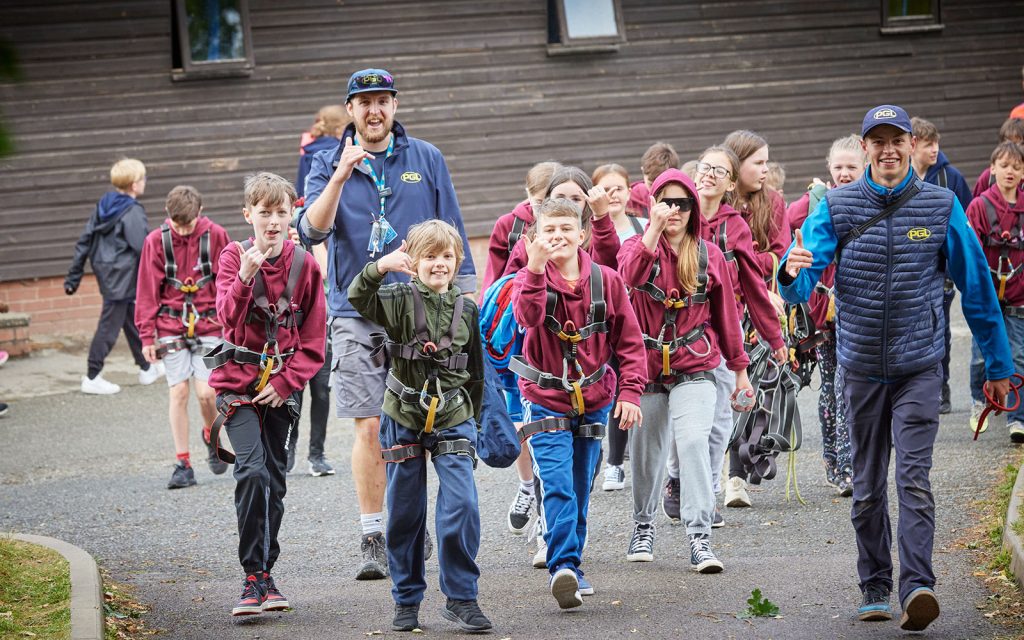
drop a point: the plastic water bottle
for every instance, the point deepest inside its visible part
(744, 400)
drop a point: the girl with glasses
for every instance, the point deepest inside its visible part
(683, 297)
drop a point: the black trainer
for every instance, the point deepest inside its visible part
(181, 477)
(291, 458)
(428, 545)
(467, 614)
(945, 406)
(375, 558)
(670, 500)
(406, 617)
(217, 466)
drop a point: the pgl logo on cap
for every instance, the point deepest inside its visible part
(884, 114)
(370, 79)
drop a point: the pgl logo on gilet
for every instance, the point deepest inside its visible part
(884, 114)
(918, 234)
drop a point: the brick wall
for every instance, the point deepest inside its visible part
(56, 314)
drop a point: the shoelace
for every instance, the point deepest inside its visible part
(643, 539)
(523, 503)
(875, 595)
(250, 590)
(376, 547)
(701, 549)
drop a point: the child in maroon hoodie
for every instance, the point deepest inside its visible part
(1011, 131)
(846, 164)
(511, 226)
(658, 158)
(176, 316)
(717, 174)
(997, 216)
(577, 317)
(270, 301)
(683, 297)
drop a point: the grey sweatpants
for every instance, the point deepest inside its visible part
(680, 420)
(721, 430)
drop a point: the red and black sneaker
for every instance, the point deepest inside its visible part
(274, 600)
(253, 596)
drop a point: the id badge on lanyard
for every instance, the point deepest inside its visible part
(381, 231)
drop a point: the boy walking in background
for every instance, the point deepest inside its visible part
(112, 241)
(176, 316)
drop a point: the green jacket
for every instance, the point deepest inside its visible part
(391, 306)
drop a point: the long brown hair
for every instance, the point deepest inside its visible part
(568, 173)
(756, 205)
(686, 264)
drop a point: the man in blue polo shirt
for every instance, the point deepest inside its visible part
(362, 197)
(893, 238)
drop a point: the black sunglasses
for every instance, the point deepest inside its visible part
(684, 204)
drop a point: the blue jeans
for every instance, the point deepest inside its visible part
(456, 515)
(1015, 332)
(565, 466)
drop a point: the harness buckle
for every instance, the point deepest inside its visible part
(188, 286)
(673, 301)
(429, 348)
(569, 332)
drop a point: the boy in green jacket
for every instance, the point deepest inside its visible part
(432, 403)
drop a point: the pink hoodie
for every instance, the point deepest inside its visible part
(152, 292)
(543, 349)
(717, 314)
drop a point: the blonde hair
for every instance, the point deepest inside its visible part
(560, 208)
(126, 172)
(269, 189)
(761, 217)
(539, 175)
(434, 236)
(730, 155)
(776, 178)
(690, 168)
(183, 204)
(846, 144)
(610, 169)
(686, 264)
(330, 121)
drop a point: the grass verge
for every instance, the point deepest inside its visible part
(1004, 602)
(124, 616)
(35, 591)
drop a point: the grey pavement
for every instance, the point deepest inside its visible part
(92, 471)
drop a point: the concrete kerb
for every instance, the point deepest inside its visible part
(86, 587)
(1011, 541)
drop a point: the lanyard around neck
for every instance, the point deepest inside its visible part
(379, 181)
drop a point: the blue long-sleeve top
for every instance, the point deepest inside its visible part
(965, 265)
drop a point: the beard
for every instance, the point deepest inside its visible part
(368, 136)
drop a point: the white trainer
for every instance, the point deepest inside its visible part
(152, 374)
(736, 493)
(98, 386)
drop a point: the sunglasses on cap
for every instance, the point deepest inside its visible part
(683, 204)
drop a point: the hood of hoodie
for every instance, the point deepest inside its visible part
(320, 144)
(696, 223)
(524, 211)
(940, 163)
(203, 225)
(110, 209)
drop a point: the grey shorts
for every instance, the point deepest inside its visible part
(185, 364)
(358, 378)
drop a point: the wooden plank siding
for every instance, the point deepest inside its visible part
(475, 79)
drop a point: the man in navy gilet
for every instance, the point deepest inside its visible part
(889, 342)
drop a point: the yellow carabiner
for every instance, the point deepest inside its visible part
(665, 369)
(577, 399)
(191, 325)
(431, 414)
(1002, 286)
(265, 369)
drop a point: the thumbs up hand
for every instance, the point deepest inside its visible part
(799, 257)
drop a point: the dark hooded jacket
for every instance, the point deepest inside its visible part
(112, 241)
(946, 175)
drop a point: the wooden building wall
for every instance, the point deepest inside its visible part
(475, 79)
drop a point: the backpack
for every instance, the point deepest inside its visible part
(502, 337)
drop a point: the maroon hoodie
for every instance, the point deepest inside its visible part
(746, 277)
(639, 199)
(543, 349)
(604, 246)
(782, 238)
(152, 291)
(977, 215)
(985, 181)
(717, 314)
(497, 250)
(234, 300)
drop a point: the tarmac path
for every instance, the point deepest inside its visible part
(92, 471)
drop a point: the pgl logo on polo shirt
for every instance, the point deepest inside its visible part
(411, 177)
(884, 114)
(918, 234)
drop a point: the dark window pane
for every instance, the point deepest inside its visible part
(590, 18)
(215, 30)
(910, 8)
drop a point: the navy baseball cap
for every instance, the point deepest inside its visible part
(370, 80)
(886, 114)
